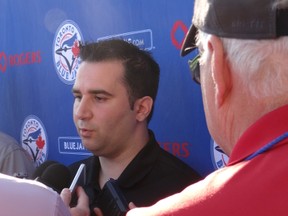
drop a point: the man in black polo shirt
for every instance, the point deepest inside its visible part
(114, 92)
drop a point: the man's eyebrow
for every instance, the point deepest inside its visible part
(99, 91)
(74, 90)
(96, 91)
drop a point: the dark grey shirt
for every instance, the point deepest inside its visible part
(152, 175)
(14, 160)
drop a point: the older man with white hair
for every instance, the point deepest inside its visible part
(243, 71)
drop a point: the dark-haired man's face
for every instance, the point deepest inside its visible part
(101, 112)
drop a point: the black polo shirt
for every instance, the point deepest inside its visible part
(152, 175)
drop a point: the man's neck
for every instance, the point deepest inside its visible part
(112, 167)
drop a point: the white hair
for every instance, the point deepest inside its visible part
(261, 65)
(280, 4)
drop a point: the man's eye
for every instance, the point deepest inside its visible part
(77, 97)
(101, 99)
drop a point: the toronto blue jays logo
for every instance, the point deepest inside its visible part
(66, 51)
(219, 158)
(34, 139)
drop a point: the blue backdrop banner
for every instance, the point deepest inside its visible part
(38, 69)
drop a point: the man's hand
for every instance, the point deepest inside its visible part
(82, 207)
(98, 212)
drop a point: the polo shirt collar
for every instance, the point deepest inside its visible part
(141, 165)
(267, 128)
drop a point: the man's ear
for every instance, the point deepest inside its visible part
(143, 107)
(220, 70)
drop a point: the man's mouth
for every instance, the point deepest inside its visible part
(83, 132)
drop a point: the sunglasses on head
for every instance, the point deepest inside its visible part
(194, 67)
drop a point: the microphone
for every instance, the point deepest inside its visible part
(54, 175)
(40, 169)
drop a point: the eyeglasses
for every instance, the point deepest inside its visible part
(194, 67)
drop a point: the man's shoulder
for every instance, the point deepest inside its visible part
(167, 157)
(9, 145)
(8, 142)
(9, 183)
(174, 164)
(41, 198)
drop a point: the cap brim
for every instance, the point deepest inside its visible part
(189, 42)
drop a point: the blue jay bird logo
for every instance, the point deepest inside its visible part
(34, 139)
(66, 51)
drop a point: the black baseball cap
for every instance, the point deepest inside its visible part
(241, 19)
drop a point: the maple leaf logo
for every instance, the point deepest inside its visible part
(40, 142)
(76, 48)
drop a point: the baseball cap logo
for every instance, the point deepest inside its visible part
(3, 62)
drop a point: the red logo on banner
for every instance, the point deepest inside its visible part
(25, 58)
(178, 26)
(176, 148)
(3, 62)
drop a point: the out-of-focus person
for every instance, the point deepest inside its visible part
(14, 160)
(28, 197)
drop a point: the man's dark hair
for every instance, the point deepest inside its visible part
(141, 71)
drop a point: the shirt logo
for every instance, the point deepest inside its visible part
(219, 158)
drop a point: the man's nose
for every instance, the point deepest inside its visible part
(82, 109)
